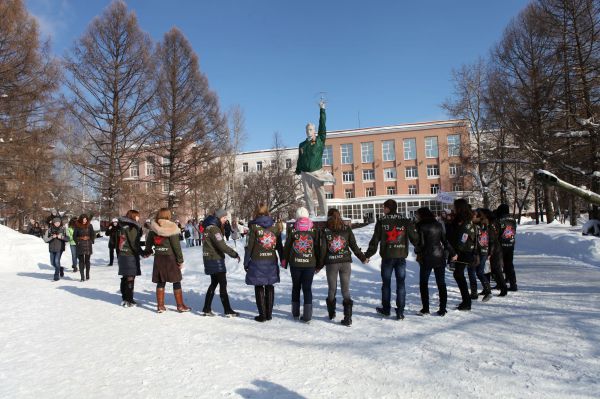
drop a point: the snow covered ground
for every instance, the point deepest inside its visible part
(69, 339)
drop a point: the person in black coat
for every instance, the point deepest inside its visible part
(84, 239)
(432, 251)
(112, 232)
(227, 230)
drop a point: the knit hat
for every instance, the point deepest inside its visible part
(115, 220)
(220, 213)
(56, 220)
(302, 212)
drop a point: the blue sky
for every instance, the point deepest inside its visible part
(380, 62)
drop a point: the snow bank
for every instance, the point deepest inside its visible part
(20, 250)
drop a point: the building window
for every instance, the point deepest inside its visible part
(431, 147)
(433, 171)
(288, 163)
(457, 187)
(411, 172)
(348, 177)
(412, 189)
(370, 192)
(134, 169)
(455, 170)
(521, 184)
(150, 166)
(165, 187)
(346, 154)
(245, 167)
(391, 190)
(368, 174)
(366, 152)
(410, 149)
(328, 195)
(434, 188)
(259, 166)
(327, 155)
(166, 166)
(273, 163)
(388, 150)
(389, 174)
(454, 145)
(349, 193)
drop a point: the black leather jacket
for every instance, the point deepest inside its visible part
(433, 249)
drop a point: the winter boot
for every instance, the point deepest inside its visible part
(269, 300)
(423, 312)
(181, 307)
(296, 310)
(62, 271)
(123, 288)
(474, 294)
(399, 315)
(259, 293)
(229, 312)
(464, 306)
(487, 292)
(307, 313)
(383, 311)
(206, 310)
(441, 312)
(347, 321)
(331, 308)
(160, 300)
(130, 285)
(87, 272)
(82, 273)
(513, 287)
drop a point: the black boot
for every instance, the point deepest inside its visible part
(269, 301)
(130, 285)
(229, 312)
(82, 272)
(296, 310)
(123, 290)
(474, 294)
(206, 310)
(307, 313)
(62, 271)
(87, 272)
(347, 321)
(259, 293)
(331, 308)
(487, 292)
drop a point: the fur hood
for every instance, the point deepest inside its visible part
(164, 228)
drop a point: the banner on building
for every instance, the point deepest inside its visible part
(445, 198)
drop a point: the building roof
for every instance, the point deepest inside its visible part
(408, 127)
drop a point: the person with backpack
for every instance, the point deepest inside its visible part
(112, 232)
(163, 241)
(508, 232)
(213, 255)
(84, 235)
(392, 234)
(462, 236)
(128, 244)
(261, 260)
(72, 245)
(432, 253)
(300, 253)
(56, 237)
(336, 242)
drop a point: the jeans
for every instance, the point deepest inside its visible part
(398, 266)
(440, 280)
(74, 255)
(55, 261)
(344, 270)
(190, 242)
(302, 277)
(481, 271)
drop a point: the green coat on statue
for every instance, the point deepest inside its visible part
(310, 154)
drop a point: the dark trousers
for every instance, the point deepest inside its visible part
(440, 280)
(219, 279)
(398, 267)
(461, 281)
(509, 267)
(302, 278)
(84, 266)
(111, 253)
(55, 261)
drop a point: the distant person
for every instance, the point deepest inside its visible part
(495, 251)
(56, 237)
(508, 233)
(227, 229)
(35, 230)
(84, 239)
(112, 232)
(130, 250)
(189, 233)
(392, 234)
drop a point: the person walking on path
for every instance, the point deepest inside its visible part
(83, 235)
(261, 260)
(56, 237)
(213, 255)
(508, 233)
(337, 240)
(163, 241)
(392, 233)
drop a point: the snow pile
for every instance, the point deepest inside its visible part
(70, 339)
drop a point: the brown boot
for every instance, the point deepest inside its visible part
(179, 300)
(160, 300)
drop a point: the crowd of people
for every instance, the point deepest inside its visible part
(480, 242)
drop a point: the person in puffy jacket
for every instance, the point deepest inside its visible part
(56, 237)
(213, 255)
(130, 250)
(84, 235)
(261, 260)
(300, 253)
(432, 251)
(163, 238)
(337, 240)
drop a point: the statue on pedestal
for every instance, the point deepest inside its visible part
(310, 165)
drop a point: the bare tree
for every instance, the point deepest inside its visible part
(111, 86)
(190, 130)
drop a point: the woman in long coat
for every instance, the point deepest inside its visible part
(83, 235)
